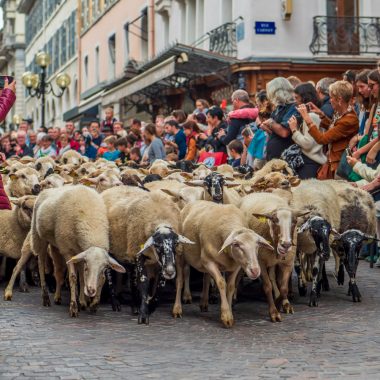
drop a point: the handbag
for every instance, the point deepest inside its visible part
(325, 172)
(293, 156)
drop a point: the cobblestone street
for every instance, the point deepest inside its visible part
(339, 339)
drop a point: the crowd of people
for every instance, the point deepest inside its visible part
(325, 130)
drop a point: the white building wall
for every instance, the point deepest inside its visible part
(33, 105)
(291, 39)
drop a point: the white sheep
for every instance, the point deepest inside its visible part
(226, 246)
(24, 181)
(272, 217)
(81, 236)
(144, 231)
(72, 157)
(15, 225)
(45, 166)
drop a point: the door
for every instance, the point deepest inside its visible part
(343, 27)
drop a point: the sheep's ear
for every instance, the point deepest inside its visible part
(231, 184)
(13, 176)
(294, 181)
(230, 239)
(300, 213)
(263, 243)
(186, 175)
(184, 240)
(73, 173)
(115, 265)
(77, 258)
(263, 217)
(303, 227)
(87, 181)
(144, 171)
(146, 245)
(195, 182)
(369, 239)
(335, 233)
(172, 193)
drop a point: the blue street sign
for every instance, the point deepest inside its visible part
(265, 27)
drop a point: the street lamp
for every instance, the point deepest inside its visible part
(37, 85)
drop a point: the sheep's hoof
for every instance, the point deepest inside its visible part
(325, 284)
(177, 311)
(58, 300)
(275, 317)
(313, 302)
(227, 320)
(143, 319)
(8, 295)
(287, 308)
(94, 308)
(46, 300)
(73, 309)
(340, 277)
(116, 306)
(187, 299)
(356, 296)
(203, 308)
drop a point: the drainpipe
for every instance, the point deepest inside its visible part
(152, 48)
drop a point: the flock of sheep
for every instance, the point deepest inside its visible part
(90, 217)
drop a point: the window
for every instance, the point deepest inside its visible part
(85, 76)
(50, 52)
(97, 65)
(112, 55)
(144, 35)
(55, 55)
(126, 36)
(72, 35)
(63, 44)
(190, 35)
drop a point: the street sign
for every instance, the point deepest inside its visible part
(265, 27)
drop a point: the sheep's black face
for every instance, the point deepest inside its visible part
(320, 230)
(351, 242)
(185, 166)
(247, 170)
(165, 241)
(214, 184)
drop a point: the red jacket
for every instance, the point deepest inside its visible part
(7, 99)
(4, 201)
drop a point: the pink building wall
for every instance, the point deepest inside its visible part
(112, 22)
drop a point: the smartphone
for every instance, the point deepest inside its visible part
(348, 152)
(2, 80)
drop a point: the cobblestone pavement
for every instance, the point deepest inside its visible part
(339, 339)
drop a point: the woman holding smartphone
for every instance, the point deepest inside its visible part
(7, 99)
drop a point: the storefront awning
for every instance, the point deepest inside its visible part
(90, 102)
(174, 68)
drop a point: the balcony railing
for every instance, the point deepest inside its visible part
(346, 35)
(222, 40)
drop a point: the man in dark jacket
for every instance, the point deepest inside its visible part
(173, 128)
(214, 119)
(240, 101)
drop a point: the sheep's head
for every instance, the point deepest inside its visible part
(349, 245)
(243, 246)
(72, 157)
(95, 262)
(275, 180)
(24, 182)
(282, 222)
(45, 166)
(52, 181)
(320, 230)
(25, 206)
(213, 183)
(103, 180)
(164, 241)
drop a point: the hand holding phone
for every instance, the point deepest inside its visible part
(349, 152)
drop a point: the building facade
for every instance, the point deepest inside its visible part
(12, 58)
(51, 26)
(113, 39)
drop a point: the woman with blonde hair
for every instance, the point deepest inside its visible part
(281, 94)
(339, 130)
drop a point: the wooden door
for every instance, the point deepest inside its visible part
(343, 27)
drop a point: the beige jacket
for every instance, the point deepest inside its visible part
(310, 148)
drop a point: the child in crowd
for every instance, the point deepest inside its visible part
(112, 153)
(122, 147)
(135, 155)
(235, 149)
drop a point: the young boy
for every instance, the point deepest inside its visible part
(135, 155)
(123, 147)
(235, 148)
(112, 153)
